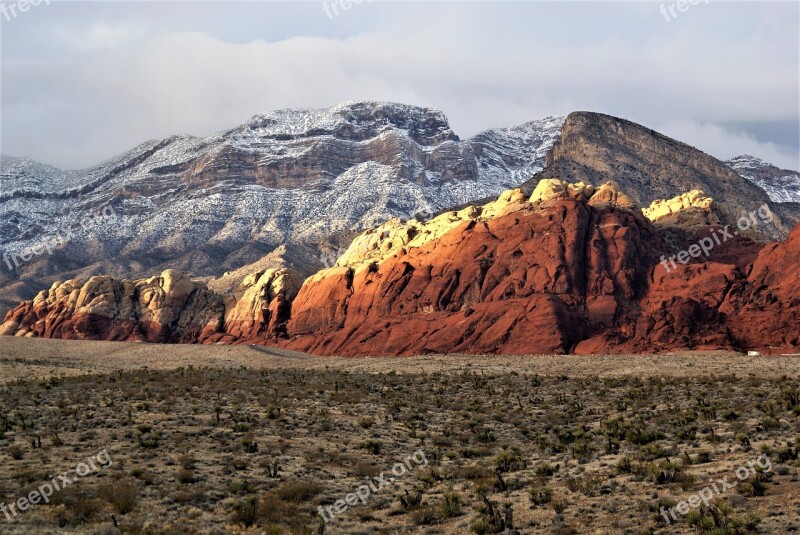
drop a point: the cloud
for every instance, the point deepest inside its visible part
(724, 143)
(101, 35)
(485, 65)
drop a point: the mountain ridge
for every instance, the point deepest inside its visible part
(288, 188)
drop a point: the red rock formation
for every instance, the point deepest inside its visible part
(536, 280)
(576, 271)
(764, 310)
(167, 308)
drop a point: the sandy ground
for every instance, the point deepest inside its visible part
(32, 358)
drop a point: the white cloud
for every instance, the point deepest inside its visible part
(723, 143)
(97, 36)
(485, 65)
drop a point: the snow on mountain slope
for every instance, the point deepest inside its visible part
(212, 204)
(780, 184)
(504, 155)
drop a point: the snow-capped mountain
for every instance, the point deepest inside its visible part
(780, 184)
(207, 205)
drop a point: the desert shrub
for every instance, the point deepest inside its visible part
(451, 505)
(194, 495)
(540, 495)
(187, 462)
(717, 520)
(411, 501)
(16, 451)
(473, 453)
(582, 450)
(586, 485)
(770, 423)
(246, 511)
(243, 487)
(471, 472)
(76, 507)
(430, 476)
(121, 494)
(507, 461)
(547, 470)
(366, 423)
(273, 510)
(481, 526)
(297, 491)
(373, 446)
(249, 444)
(366, 469)
(665, 472)
(643, 435)
(624, 465)
(559, 505)
(753, 486)
(185, 476)
(425, 515)
(149, 440)
(703, 456)
(240, 463)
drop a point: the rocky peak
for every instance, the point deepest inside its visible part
(354, 120)
(595, 148)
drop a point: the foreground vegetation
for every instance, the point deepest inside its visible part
(259, 451)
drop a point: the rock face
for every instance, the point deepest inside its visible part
(263, 307)
(571, 268)
(565, 273)
(688, 214)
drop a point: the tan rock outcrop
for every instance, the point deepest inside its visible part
(396, 235)
(264, 305)
(611, 196)
(550, 188)
(692, 199)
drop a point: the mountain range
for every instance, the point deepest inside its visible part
(293, 184)
(544, 237)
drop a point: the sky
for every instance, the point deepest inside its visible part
(81, 82)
